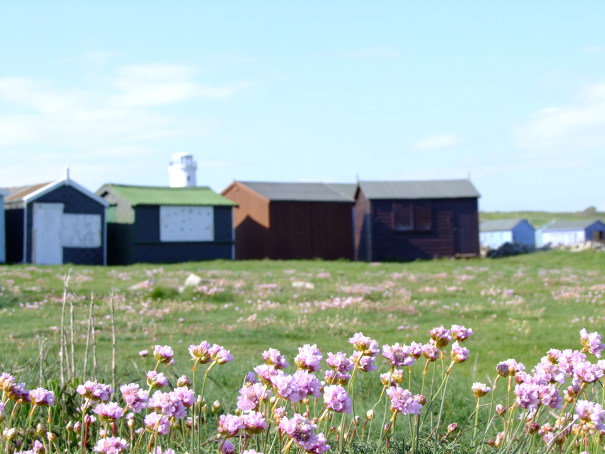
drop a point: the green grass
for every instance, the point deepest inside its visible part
(540, 218)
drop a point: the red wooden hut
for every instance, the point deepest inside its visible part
(292, 220)
(407, 220)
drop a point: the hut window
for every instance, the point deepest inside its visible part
(422, 218)
(186, 223)
(403, 216)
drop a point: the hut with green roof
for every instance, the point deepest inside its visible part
(157, 224)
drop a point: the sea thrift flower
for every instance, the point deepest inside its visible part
(302, 431)
(220, 355)
(509, 368)
(591, 342)
(251, 396)
(364, 344)
(337, 399)
(416, 349)
(163, 354)
(403, 401)
(254, 422)
(308, 383)
(392, 378)
(587, 372)
(459, 353)
(480, 389)
(170, 404)
(275, 358)
(42, 397)
(111, 445)
(460, 333)
(200, 353)
(308, 358)
(226, 447)
(7, 382)
(286, 386)
(431, 352)
(265, 372)
(109, 411)
(136, 399)
(340, 362)
(398, 355)
(144, 353)
(230, 425)
(440, 336)
(92, 390)
(364, 363)
(156, 379)
(251, 451)
(591, 415)
(157, 422)
(183, 381)
(333, 377)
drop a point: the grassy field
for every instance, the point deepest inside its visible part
(518, 307)
(541, 218)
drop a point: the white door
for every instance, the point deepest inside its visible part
(46, 234)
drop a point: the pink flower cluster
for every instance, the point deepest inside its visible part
(302, 432)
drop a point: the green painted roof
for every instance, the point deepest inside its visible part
(163, 195)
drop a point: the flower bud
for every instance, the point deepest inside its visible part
(500, 410)
(370, 415)
(9, 434)
(51, 437)
(452, 427)
(70, 426)
(77, 427)
(131, 423)
(420, 399)
(40, 430)
(183, 381)
(357, 421)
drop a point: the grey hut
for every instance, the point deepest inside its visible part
(159, 224)
(55, 223)
(407, 220)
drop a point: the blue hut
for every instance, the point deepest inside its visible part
(494, 233)
(568, 233)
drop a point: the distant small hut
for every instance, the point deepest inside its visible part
(55, 223)
(493, 233)
(568, 233)
(407, 220)
(2, 227)
(159, 224)
(283, 220)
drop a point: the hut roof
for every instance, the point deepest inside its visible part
(304, 192)
(164, 195)
(570, 225)
(496, 225)
(19, 196)
(423, 189)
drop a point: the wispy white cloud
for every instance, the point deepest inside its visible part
(435, 142)
(126, 108)
(561, 129)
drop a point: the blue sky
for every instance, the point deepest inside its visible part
(511, 93)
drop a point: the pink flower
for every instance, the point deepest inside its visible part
(587, 372)
(431, 352)
(95, 391)
(440, 336)
(286, 386)
(230, 425)
(163, 354)
(302, 431)
(308, 383)
(592, 342)
(508, 368)
(200, 353)
(136, 399)
(460, 333)
(220, 355)
(265, 372)
(109, 412)
(156, 379)
(308, 358)
(364, 344)
(42, 397)
(111, 445)
(254, 422)
(333, 377)
(459, 353)
(144, 353)
(403, 401)
(591, 415)
(157, 422)
(169, 404)
(398, 355)
(275, 358)
(251, 396)
(226, 447)
(337, 399)
(364, 363)
(392, 378)
(480, 389)
(340, 362)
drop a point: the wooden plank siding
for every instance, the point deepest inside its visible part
(453, 230)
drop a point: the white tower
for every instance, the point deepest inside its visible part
(182, 170)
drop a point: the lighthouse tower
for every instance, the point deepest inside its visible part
(182, 170)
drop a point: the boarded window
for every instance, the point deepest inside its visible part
(186, 223)
(403, 216)
(422, 218)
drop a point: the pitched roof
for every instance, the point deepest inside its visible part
(423, 189)
(570, 225)
(497, 225)
(304, 192)
(164, 195)
(18, 196)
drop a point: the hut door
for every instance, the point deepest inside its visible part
(46, 234)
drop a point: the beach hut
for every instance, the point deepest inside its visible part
(407, 220)
(568, 233)
(494, 233)
(285, 220)
(159, 224)
(55, 223)
(2, 228)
